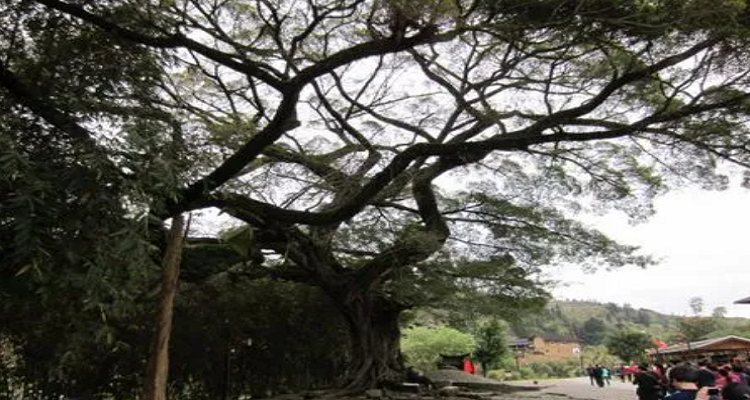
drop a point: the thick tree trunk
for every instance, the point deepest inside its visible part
(375, 341)
(157, 372)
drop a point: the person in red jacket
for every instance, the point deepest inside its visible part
(469, 366)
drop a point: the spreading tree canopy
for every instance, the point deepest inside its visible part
(365, 140)
(630, 346)
(593, 331)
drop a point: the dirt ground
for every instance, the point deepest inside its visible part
(559, 389)
(468, 387)
(578, 389)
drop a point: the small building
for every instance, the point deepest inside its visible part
(719, 349)
(546, 348)
(453, 361)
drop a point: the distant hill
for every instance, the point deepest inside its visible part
(592, 321)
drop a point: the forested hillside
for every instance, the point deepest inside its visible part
(591, 322)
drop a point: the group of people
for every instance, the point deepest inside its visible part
(686, 381)
(602, 375)
(599, 374)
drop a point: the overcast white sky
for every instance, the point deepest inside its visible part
(703, 241)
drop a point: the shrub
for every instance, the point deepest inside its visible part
(497, 374)
(422, 346)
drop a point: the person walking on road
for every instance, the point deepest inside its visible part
(620, 372)
(599, 375)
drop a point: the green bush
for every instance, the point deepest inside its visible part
(497, 374)
(555, 369)
(422, 346)
(527, 373)
(542, 369)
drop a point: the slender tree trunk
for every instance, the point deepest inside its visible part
(375, 341)
(157, 371)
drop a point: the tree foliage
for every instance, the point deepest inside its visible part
(462, 293)
(630, 346)
(694, 328)
(593, 331)
(599, 354)
(492, 341)
(696, 304)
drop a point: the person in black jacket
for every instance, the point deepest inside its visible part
(649, 387)
(735, 391)
(590, 373)
(684, 378)
(414, 376)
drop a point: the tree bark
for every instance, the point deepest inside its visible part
(157, 372)
(375, 340)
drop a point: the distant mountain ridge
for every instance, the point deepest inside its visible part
(591, 321)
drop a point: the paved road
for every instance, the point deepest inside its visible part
(580, 388)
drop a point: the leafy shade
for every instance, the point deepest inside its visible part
(464, 291)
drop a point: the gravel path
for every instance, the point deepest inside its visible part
(579, 389)
(559, 389)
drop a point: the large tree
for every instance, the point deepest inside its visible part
(593, 331)
(630, 346)
(691, 329)
(492, 339)
(359, 139)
